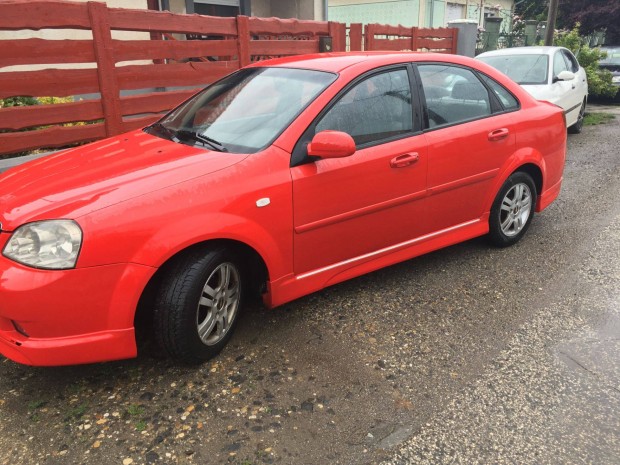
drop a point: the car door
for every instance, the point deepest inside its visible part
(581, 80)
(346, 208)
(470, 135)
(564, 93)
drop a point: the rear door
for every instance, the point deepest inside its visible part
(470, 134)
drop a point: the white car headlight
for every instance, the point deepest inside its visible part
(51, 244)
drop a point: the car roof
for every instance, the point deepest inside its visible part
(532, 50)
(336, 62)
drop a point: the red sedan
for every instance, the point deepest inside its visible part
(279, 180)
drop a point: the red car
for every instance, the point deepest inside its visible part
(281, 179)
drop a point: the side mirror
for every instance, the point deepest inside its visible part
(331, 144)
(564, 76)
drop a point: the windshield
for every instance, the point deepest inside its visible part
(523, 69)
(613, 56)
(244, 112)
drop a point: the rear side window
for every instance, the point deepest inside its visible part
(377, 108)
(504, 96)
(453, 95)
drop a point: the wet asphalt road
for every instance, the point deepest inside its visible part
(468, 355)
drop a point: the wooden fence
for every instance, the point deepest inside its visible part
(439, 40)
(129, 96)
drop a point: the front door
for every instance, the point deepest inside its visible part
(348, 207)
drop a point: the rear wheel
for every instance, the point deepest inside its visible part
(578, 126)
(197, 305)
(512, 210)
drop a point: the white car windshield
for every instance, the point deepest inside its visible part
(244, 112)
(523, 69)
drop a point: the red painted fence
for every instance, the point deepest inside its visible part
(441, 40)
(221, 46)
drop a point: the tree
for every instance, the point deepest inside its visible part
(532, 9)
(593, 15)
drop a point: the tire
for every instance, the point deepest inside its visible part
(512, 210)
(197, 305)
(578, 126)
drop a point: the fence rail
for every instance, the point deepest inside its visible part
(441, 40)
(126, 84)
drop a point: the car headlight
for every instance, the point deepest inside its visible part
(51, 244)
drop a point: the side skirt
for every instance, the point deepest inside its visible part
(294, 286)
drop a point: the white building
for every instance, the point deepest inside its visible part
(420, 13)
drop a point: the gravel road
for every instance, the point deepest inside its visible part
(467, 355)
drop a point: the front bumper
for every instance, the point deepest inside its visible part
(69, 317)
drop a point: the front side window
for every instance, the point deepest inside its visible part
(377, 108)
(246, 111)
(571, 61)
(523, 69)
(453, 94)
(559, 64)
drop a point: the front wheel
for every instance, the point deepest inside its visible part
(197, 305)
(512, 210)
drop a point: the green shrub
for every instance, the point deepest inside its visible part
(599, 80)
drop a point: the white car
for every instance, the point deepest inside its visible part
(547, 73)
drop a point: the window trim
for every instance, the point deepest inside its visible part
(300, 155)
(492, 96)
(496, 106)
(503, 109)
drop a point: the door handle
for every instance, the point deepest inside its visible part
(498, 134)
(404, 160)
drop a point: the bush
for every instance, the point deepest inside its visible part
(599, 80)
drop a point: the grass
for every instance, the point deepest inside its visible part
(592, 119)
(141, 425)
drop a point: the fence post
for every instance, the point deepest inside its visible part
(369, 39)
(455, 41)
(243, 40)
(335, 32)
(106, 68)
(414, 39)
(355, 37)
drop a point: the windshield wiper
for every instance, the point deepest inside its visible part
(214, 144)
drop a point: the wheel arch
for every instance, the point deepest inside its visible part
(253, 265)
(527, 160)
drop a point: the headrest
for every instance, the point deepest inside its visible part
(469, 91)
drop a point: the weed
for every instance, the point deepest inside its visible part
(135, 409)
(76, 412)
(36, 404)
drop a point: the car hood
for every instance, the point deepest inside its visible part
(540, 92)
(75, 182)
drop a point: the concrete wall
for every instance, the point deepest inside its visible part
(404, 12)
(300, 9)
(420, 13)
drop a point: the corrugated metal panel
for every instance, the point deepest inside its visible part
(404, 12)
